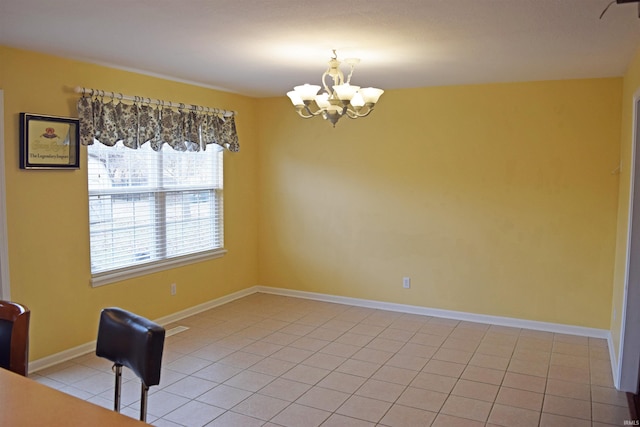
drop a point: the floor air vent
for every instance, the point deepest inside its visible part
(175, 330)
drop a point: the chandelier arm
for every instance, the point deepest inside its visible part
(301, 114)
(324, 81)
(353, 114)
(309, 113)
(315, 113)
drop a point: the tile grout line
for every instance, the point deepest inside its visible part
(388, 328)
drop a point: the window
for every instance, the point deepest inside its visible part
(152, 210)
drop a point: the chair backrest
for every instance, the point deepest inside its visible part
(132, 341)
(14, 337)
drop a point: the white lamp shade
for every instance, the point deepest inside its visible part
(357, 100)
(345, 92)
(323, 100)
(307, 92)
(370, 95)
(295, 98)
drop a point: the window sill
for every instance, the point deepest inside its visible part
(108, 277)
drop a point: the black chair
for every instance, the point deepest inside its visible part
(129, 340)
(14, 337)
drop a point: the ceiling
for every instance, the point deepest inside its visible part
(264, 47)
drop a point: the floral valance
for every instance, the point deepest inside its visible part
(111, 120)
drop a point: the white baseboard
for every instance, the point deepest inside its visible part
(205, 306)
(614, 362)
(63, 356)
(447, 314)
(83, 349)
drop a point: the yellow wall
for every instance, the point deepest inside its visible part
(630, 87)
(47, 214)
(495, 199)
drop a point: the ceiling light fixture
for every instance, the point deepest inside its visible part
(339, 98)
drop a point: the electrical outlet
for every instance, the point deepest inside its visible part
(406, 282)
(173, 289)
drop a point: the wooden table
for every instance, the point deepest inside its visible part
(27, 403)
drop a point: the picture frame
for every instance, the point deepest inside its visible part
(49, 142)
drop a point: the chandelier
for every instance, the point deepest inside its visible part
(340, 98)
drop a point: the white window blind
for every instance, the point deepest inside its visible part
(147, 207)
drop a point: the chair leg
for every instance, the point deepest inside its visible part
(116, 400)
(143, 403)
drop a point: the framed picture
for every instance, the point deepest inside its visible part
(49, 142)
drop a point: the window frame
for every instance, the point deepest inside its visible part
(119, 274)
(105, 278)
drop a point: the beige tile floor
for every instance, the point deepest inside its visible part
(267, 360)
